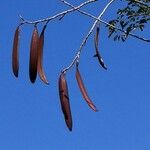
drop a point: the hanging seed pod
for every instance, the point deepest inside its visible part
(40, 57)
(83, 90)
(64, 99)
(15, 55)
(33, 55)
(96, 39)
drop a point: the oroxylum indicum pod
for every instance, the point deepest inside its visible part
(96, 39)
(83, 90)
(64, 99)
(33, 55)
(40, 57)
(15, 51)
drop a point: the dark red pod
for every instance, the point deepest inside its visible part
(64, 100)
(15, 51)
(33, 55)
(96, 39)
(83, 90)
(40, 57)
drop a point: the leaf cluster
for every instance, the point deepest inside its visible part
(135, 16)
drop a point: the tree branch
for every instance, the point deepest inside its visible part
(77, 57)
(106, 23)
(61, 14)
(77, 8)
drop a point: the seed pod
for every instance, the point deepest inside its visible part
(83, 90)
(40, 57)
(64, 99)
(96, 39)
(33, 55)
(15, 56)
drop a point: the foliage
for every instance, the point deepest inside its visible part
(135, 16)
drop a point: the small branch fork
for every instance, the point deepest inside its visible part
(77, 57)
(96, 22)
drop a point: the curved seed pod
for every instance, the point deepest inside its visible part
(96, 39)
(40, 57)
(83, 90)
(64, 99)
(15, 56)
(33, 55)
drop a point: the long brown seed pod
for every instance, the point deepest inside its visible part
(96, 39)
(83, 90)
(15, 55)
(33, 55)
(64, 99)
(40, 57)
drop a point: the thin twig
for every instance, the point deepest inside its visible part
(76, 58)
(57, 15)
(141, 3)
(81, 11)
(106, 23)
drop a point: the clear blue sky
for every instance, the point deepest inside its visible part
(30, 114)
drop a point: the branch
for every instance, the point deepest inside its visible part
(106, 23)
(61, 14)
(77, 57)
(77, 8)
(141, 3)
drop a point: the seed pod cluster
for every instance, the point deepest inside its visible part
(36, 55)
(36, 66)
(98, 55)
(64, 96)
(64, 100)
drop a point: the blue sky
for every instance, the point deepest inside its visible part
(30, 114)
